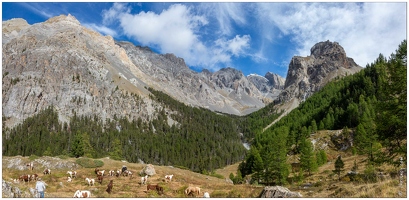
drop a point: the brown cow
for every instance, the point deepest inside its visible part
(110, 185)
(24, 178)
(34, 177)
(96, 170)
(158, 188)
(100, 178)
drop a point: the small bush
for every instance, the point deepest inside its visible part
(89, 163)
(32, 157)
(217, 175)
(64, 157)
(218, 194)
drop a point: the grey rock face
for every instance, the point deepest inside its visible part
(278, 192)
(59, 62)
(275, 80)
(307, 75)
(226, 90)
(10, 191)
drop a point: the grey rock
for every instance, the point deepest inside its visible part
(278, 192)
(307, 75)
(148, 170)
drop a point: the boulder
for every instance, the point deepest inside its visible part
(148, 170)
(278, 192)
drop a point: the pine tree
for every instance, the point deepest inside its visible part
(339, 167)
(307, 158)
(77, 146)
(391, 120)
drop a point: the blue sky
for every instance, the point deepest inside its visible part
(251, 37)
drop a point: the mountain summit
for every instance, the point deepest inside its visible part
(307, 75)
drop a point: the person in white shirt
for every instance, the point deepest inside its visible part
(40, 187)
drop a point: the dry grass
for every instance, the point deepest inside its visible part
(323, 184)
(126, 187)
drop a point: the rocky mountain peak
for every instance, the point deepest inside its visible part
(307, 75)
(327, 49)
(64, 18)
(275, 80)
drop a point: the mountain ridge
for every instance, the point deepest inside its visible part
(104, 71)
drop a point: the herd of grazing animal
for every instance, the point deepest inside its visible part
(191, 190)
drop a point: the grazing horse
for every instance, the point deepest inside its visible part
(82, 194)
(192, 190)
(110, 185)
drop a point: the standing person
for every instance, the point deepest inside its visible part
(40, 187)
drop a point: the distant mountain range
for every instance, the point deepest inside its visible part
(77, 70)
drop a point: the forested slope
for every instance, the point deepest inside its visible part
(372, 103)
(201, 140)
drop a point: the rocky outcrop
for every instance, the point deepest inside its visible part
(10, 191)
(278, 192)
(148, 170)
(307, 75)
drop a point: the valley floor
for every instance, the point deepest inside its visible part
(321, 184)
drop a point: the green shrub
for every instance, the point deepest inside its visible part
(89, 163)
(64, 157)
(182, 167)
(217, 175)
(218, 194)
(33, 157)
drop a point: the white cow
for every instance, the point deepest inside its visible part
(82, 194)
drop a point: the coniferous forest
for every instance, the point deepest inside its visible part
(372, 103)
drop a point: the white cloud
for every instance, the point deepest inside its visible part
(225, 14)
(363, 29)
(177, 30)
(38, 9)
(101, 29)
(235, 46)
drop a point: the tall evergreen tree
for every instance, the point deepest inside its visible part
(77, 147)
(392, 106)
(307, 158)
(339, 167)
